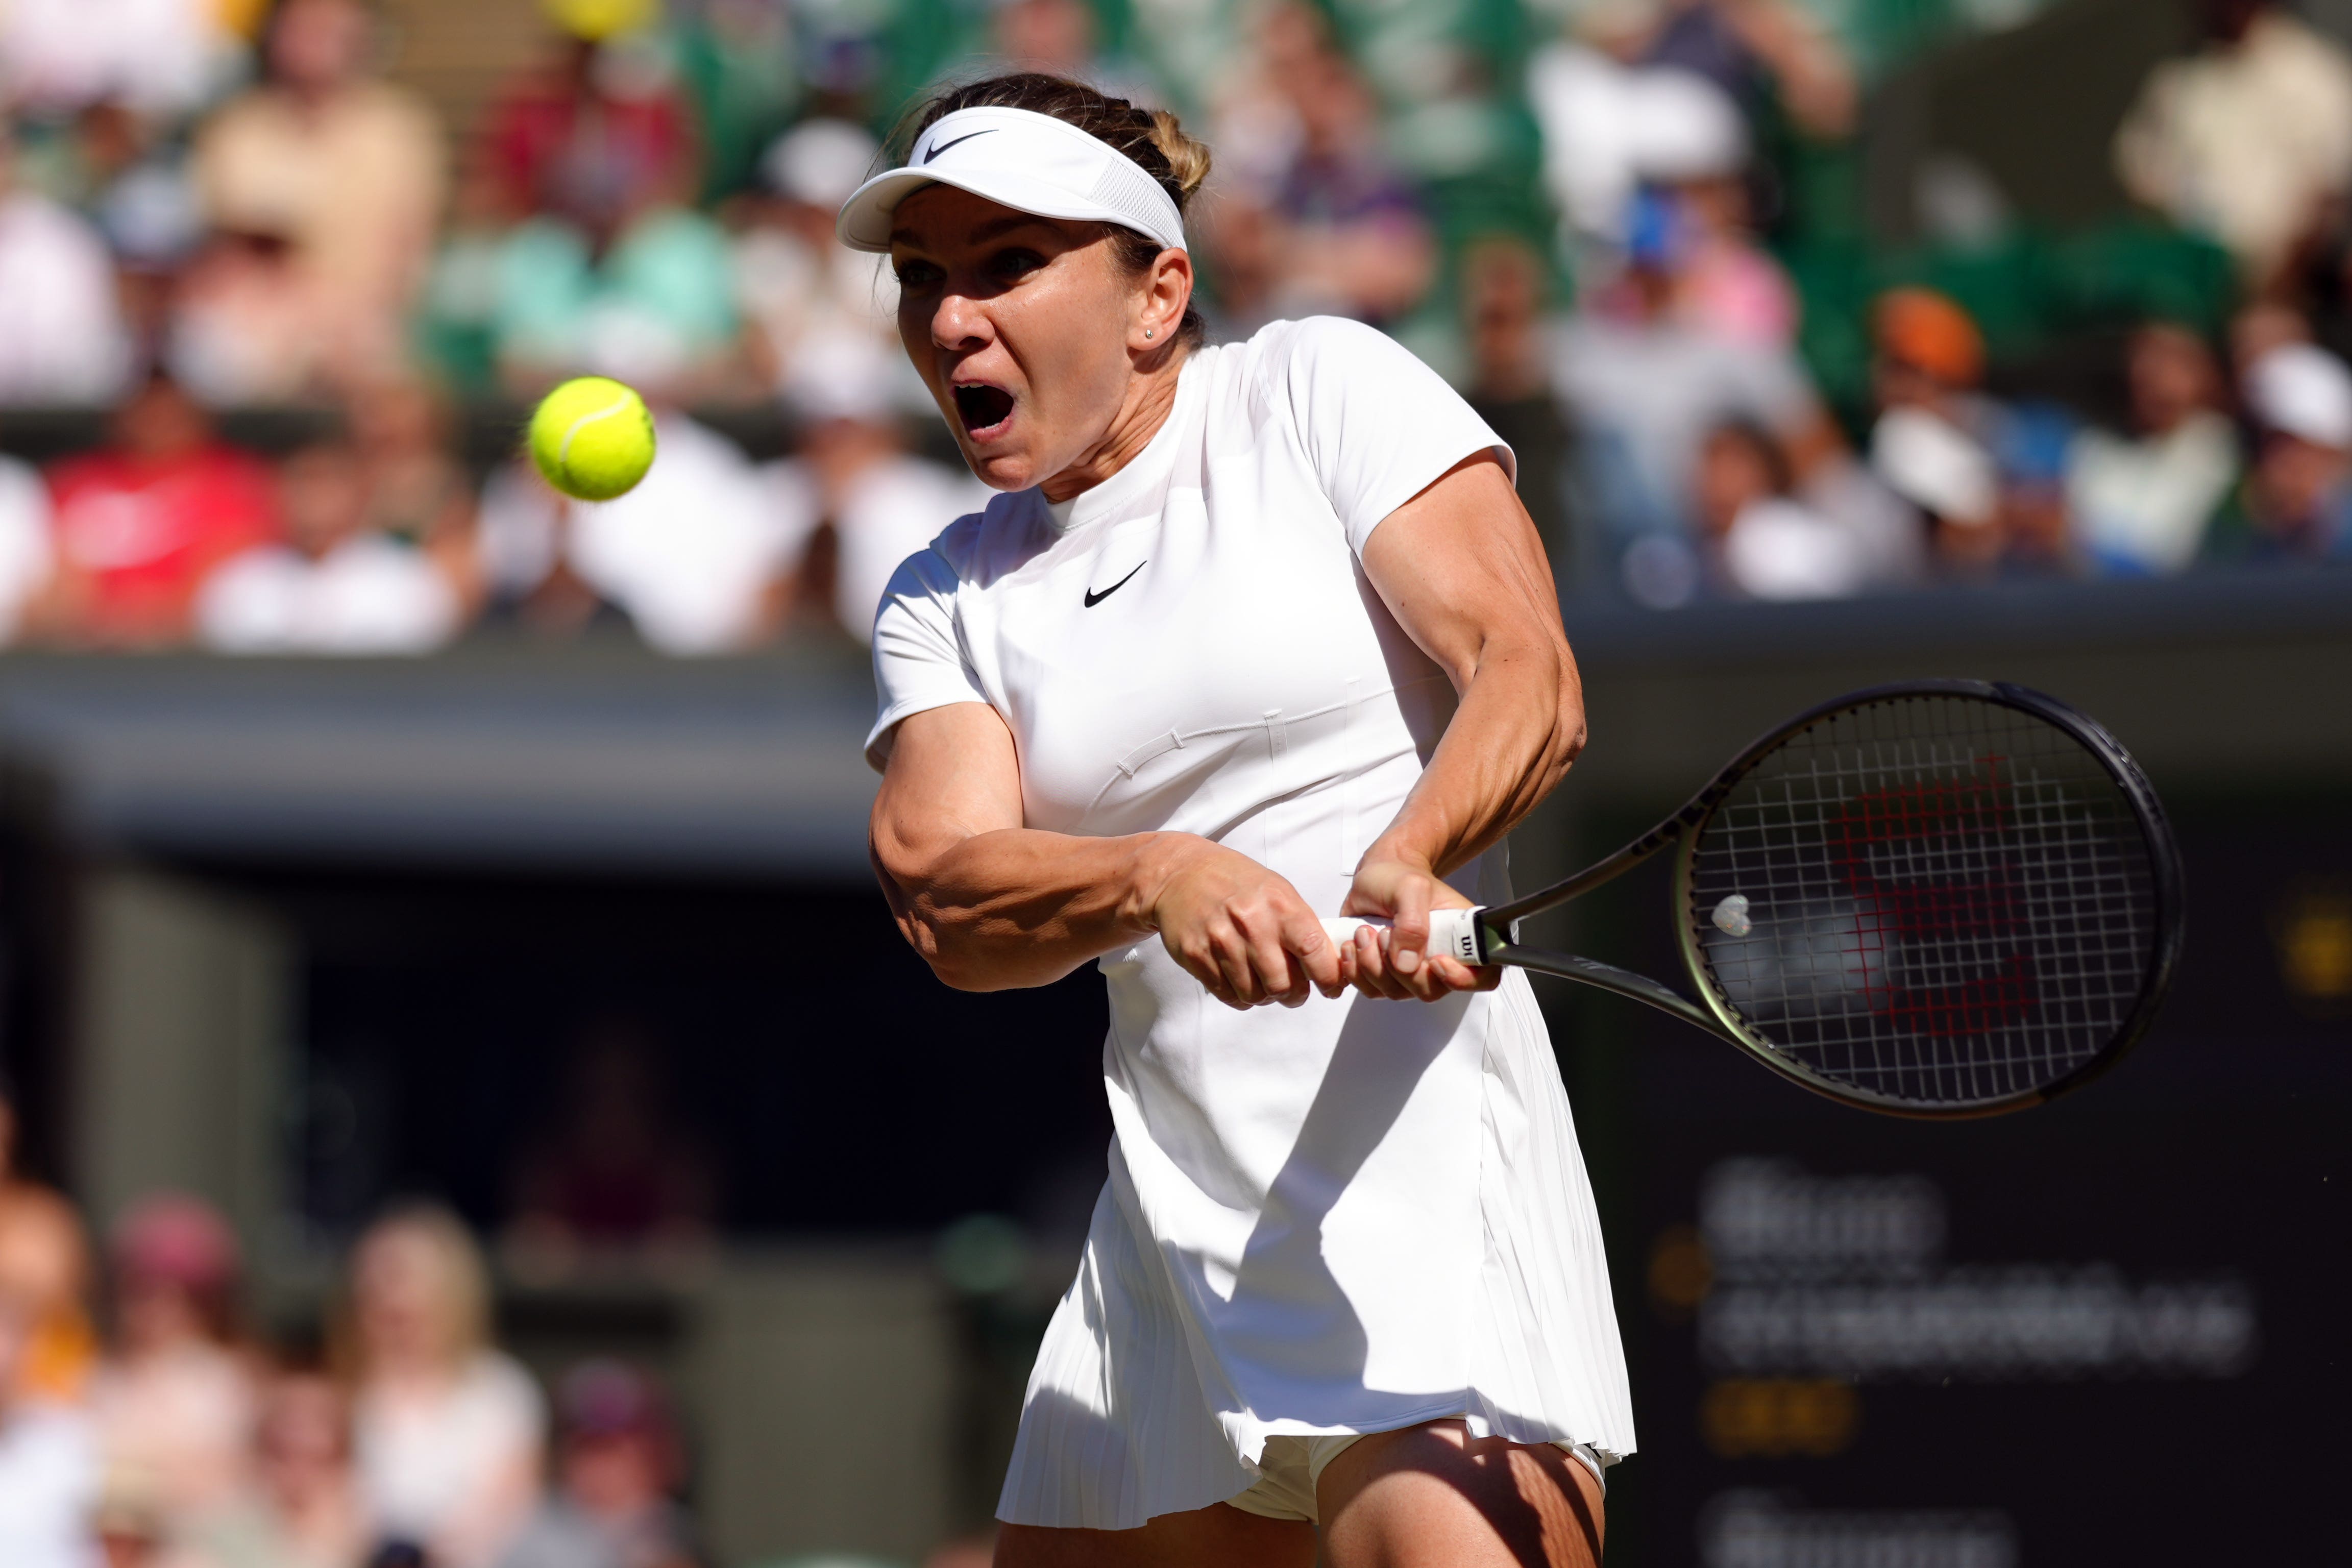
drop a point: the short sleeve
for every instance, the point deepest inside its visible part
(1377, 426)
(918, 662)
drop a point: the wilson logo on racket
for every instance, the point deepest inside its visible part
(1930, 863)
(1942, 899)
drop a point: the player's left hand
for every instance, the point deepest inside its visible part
(1402, 891)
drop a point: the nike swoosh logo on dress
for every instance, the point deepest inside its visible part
(1094, 598)
(959, 142)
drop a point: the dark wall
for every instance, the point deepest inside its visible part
(785, 1034)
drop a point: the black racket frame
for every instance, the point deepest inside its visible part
(1497, 927)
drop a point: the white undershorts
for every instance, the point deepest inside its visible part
(1291, 1468)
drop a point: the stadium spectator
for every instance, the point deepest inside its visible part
(1762, 54)
(1647, 378)
(1256, 127)
(2140, 504)
(1504, 285)
(335, 582)
(691, 557)
(1762, 542)
(529, 582)
(2247, 140)
(654, 306)
(62, 336)
(27, 556)
(242, 326)
(1057, 36)
(44, 1265)
(598, 137)
(419, 492)
(447, 1430)
(121, 171)
(1316, 220)
(304, 1510)
(618, 1465)
(458, 308)
(738, 60)
(609, 268)
(141, 522)
(49, 1457)
(341, 169)
(615, 1171)
(1687, 220)
(160, 57)
(656, 309)
(1932, 444)
(794, 278)
(1062, 38)
(852, 501)
(175, 1405)
(2297, 503)
(1639, 89)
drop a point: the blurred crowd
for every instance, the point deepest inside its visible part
(210, 207)
(162, 1431)
(1711, 464)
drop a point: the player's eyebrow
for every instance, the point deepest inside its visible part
(981, 235)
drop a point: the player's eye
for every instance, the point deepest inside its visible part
(1014, 264)
(918, 274)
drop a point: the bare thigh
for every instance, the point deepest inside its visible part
(1434, 1494)
(1218, 1536)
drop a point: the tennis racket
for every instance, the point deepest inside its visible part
(1943, 898)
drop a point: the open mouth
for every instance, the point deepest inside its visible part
(983, 407)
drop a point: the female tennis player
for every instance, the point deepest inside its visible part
(1256, 634)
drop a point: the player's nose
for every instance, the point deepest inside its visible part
(961, 322)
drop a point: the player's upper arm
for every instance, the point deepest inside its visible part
(952, 774)
(1461, 568)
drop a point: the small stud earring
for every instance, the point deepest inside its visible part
(1147, 333)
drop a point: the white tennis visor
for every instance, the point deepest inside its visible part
(1029, 162)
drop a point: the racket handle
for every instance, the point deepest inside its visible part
(1451, 931)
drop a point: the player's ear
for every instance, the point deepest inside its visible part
(1165, 295)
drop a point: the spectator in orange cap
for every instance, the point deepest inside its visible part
(175, 1406)
(1928, 345)
(1932, 444)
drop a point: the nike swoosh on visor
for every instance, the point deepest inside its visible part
(959, 142)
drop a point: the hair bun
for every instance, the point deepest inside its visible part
(1188, 159)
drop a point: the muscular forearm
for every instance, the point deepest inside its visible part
(1520, 725)
(1018, 907)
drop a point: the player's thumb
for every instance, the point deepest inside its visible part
(1409, 927)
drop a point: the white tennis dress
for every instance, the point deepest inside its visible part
(1350, 1216)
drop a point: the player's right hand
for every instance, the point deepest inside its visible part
(1242, 930)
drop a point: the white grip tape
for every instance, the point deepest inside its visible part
(1452, 931)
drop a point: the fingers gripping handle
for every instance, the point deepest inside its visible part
(1451, 931)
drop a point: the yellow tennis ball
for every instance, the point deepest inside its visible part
(593, 438)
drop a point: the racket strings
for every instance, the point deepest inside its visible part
(1949, 901)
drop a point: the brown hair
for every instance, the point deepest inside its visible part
(463, 1305)
(1150, 138)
